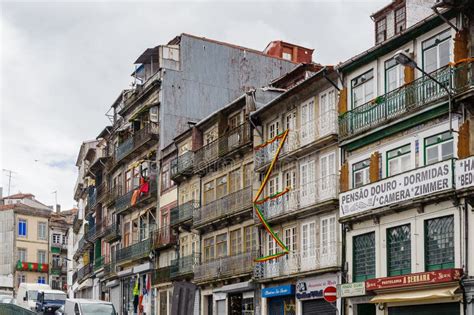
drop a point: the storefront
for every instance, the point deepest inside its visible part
(280, 299)
(115, 294)
(309, 294)
(235, 299)
(354, 293)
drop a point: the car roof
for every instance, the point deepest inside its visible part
(52, 291)
(88, 301)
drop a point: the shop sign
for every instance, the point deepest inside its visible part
(278, 291)
(419, 182)
(350, 289)
(465, 173)
(414, 279)
(313, 288)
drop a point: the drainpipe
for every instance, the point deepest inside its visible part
(325, 75)
(435, 9)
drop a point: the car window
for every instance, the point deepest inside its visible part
(55, 297)
(97, 309)
(32, 295)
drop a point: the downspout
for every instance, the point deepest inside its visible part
(466, 266)
(329, 80)
(435, 9)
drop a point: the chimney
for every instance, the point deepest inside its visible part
(58, 208)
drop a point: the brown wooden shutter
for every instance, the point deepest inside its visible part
(461, 50)
(464, 141)
(344, 177)
(374, 168)
(342, 101)
(409, 74)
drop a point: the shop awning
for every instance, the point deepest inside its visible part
(420, 295)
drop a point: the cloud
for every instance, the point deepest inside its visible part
(64, 63)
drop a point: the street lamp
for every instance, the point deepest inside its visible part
(402, 58)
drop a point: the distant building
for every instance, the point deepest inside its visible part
(25, 199)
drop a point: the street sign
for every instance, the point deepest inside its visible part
(330, 294)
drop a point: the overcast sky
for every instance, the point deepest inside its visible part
(63, 64)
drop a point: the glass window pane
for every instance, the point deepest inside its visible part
(443, 49)
(439, 243)
(447, 150)
(430, 60)
(398, 250)
(364, 250)
(431, 155)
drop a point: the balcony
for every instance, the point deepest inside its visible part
(126, 202)
(141, 138)
(77, 223)
(31, 266)
(84, 272)
(111, 194)
(58, 269)
(315, 258)
(57, 247)
(319, 192)
(161, 275)
(182, 166)
(112, 233)
(312, 134)
(74, 277)
(82, 247)
(225, 267)
(95, 232)
(102, 191)
(225, 207)
(406, 100)
(184, 212)
(99, 263)
(406, 190)
(91, 197)
(230, 142)
(134, 252)
(164, 237)
(184, 266)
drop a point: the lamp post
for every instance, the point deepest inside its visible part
(403, 59)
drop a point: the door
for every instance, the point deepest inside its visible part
(307, 122)
(275, 306)
(427, 309)
(319, 306)
(235, 304)
(328, 246)
(308, 245)
(327, 112)
(327, 182)
(290, 125)
(307, 184)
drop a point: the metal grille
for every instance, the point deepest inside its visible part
(364, 256)
(399, 250)
(439, 243)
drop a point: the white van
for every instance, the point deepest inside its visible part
(28, 293)
(88, 307)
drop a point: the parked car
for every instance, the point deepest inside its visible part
(28, 293)
(49, 301)
(7, 299)
(88, 307)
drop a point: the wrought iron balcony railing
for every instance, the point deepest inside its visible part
(312, 258)
(308, 132)
(84, 272)
(94, 232)
(183, 212)
(161, 275)
(99, 263)
(112, 233)
(126, 201)
(102, 191)
(182, 165)
(82, 247)
(226, 206)
(405, 100)
(163, 237)
(148, 132)
(77, 223)
(134, 252)
(184, 266)
(315, 192)
(58, 269)
(228, 266)
(91, 198)
(232, 140)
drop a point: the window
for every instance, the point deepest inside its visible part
(221, 187)
(209, 249)
(235, 242)
(248, 173)
(308, 240)
(250, 238)
(165, 177)
(362, 89)
(210, 136)
(364, 249)
(234, 180)
(290, 121)
(398, 160)
(41, 279)
(128, 181)
(21, 278)
(307, 131)
(436, 52)
(22, 255)
(126, 234)
(287, 53)
(327, 112)
(163, 302)
(22, 227)
(400, 20)
(221, 245)
(273, 185)
(360, 173)
(394, 75)
(273, 129)
(439, 147)
(56, 238)
(272, 245)
(380, 30)
(235, 121)
(208, 192)
(41, 257)
(307, 178)
(290, 179)
(42, 231)
(328, 238)
(290, 238)
(327, 165)
(399, 250)
(439, 243)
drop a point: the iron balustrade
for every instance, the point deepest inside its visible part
(92, 197)
(136, 251)
(223, 207)
(182, 165)
(311, 193)
(228, 266)
(99, 263)
(139, 138)
(183, 212)
(112, 232)
(124, 202)
(84, 272)
(77, 222)
(230, 141)
(102, 191)
(164, 236)
(407, 99)
(161, 275)
(310, 259)
(184, 265)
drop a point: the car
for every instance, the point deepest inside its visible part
(88, 307)
(49, 301)
(8, 299)
(28, 293)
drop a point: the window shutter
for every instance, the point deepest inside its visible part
(374, 168)
(461, 50)
(342, 101)
(344, 177)
(464, 141)
(409, 75)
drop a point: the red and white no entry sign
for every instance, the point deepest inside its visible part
(330, 294)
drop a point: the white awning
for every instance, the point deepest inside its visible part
(419, 295)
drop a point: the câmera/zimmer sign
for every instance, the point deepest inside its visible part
(406, 186)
